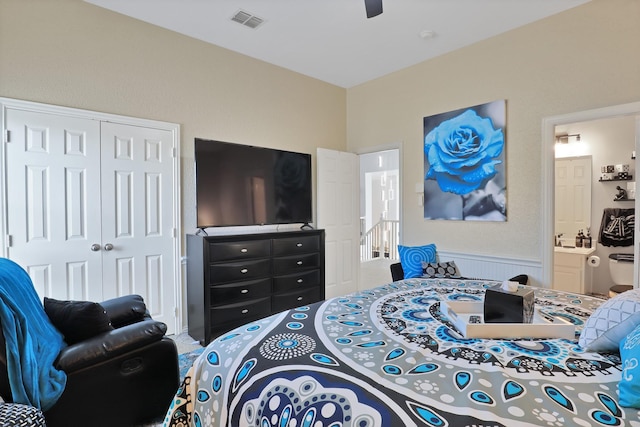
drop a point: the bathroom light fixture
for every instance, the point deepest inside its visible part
(563, 138)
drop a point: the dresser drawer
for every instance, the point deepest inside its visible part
(240, 291)
(291, 264)
(241, 312)
(233, 251)
(296, 245)
(289, 300)
(296, 281)
(243, 270)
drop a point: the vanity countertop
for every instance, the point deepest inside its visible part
(577, 251)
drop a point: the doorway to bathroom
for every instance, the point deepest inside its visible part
(610, 136)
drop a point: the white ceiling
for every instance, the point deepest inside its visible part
(332, 40)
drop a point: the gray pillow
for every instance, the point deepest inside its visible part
(432, 270)
(605, 329)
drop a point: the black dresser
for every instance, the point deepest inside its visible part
(235, 279)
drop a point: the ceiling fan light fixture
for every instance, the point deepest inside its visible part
(427, 34)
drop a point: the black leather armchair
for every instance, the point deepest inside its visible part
(122, 377)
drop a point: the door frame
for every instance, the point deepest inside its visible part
(548, 181)
(174, 128)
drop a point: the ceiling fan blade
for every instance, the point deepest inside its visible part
(373, 7)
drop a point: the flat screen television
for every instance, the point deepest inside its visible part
(238, 185)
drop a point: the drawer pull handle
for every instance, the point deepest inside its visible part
(299, 262)
(299, 245)
(244, 291)
(300, 280)
(245, 311)
(244, 271)
(244, 250)
(299, 298)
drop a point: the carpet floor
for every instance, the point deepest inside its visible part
(185, 361)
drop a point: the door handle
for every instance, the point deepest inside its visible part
(95, 247)
(108, 247)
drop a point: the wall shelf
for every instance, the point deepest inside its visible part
(630, 178)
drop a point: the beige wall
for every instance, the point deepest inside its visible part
(585, 58)
(71, 53)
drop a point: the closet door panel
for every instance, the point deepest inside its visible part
(53, 209)
(137, 185)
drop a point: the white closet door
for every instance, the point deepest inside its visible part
(53, 202)
(338, 214)
(91, 207)
(137, 218)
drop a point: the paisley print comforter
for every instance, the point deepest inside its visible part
(389, 357)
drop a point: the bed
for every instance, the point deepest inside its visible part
(389, 357)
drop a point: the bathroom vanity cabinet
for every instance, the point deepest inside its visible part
(570, 269)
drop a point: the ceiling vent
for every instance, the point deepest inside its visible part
(247, 19)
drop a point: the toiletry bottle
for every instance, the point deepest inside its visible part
(588, 240)
(579, 239)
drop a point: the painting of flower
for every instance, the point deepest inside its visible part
(464, 152)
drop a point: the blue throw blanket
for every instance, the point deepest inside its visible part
(33, 343)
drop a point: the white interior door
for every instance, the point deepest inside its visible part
(572, 196)
(137, 219)
(53, 209)
(338, 214)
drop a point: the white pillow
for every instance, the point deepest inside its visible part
(611, 322)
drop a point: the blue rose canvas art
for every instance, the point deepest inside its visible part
(464, 153)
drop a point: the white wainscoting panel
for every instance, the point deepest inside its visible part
(494, 267)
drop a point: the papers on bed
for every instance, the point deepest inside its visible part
(468, 318)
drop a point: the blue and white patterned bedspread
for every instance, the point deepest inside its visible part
(389, 357)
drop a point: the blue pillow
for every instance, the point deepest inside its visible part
(629, 385)
(411, 258)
